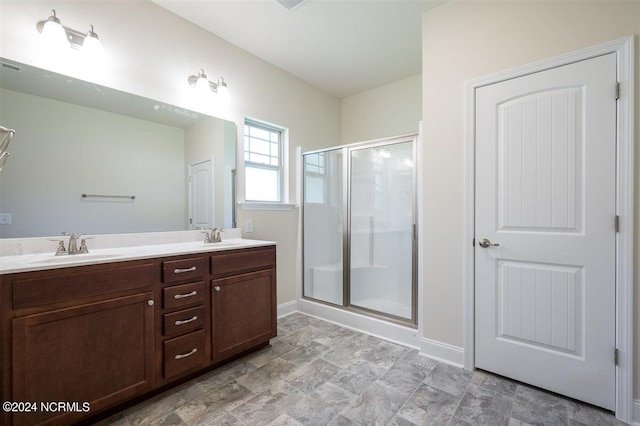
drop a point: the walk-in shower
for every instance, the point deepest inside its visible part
(359, 245)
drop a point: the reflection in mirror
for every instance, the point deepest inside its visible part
(74, 138)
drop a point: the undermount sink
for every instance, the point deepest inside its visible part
(70, 258)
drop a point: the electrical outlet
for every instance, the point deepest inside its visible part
(5, 218)
(248, 226)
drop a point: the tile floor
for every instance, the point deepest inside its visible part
(317, 373)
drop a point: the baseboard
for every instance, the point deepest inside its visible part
(636, 412)
(442, 352)
(287, 308)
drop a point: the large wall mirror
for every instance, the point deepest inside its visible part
(95, 160)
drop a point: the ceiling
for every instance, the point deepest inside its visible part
(340, 46)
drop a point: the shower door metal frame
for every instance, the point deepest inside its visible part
(346, 229)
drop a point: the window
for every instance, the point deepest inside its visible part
(263, 162)
(315, 176)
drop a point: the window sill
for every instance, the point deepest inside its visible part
(255, 205)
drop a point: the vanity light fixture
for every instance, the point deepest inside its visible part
(53, 32)
(200, 83)
(60, 36)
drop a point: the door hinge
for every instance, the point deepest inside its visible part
(190, 221)
(617, 90)
(615, 356)
(474, 242)
(617, 223)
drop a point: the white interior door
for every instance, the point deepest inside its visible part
(545, 192)
(201, 207)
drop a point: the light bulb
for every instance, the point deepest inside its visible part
(202, 86)
(54, 34)
(92, 46)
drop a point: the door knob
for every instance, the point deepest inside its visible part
(484, 243)
(217, 288)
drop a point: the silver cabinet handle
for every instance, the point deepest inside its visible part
(182, 296)
(217, 288)
(182, 271)
(192, 319)
(180, 356)
(150, 302)
(484, 243)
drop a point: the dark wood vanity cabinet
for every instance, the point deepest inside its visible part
(112, 333)
(243, 304)
(82, 336)
(243, 315)
(81, 355)
(184, 340)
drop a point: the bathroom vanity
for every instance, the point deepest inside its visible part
(122, 324)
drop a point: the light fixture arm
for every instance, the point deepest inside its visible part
(75, 37)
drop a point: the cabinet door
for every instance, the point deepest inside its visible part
(101, 353)
(244, 312)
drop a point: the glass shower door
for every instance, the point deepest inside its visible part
(381, 226)
(323, 226)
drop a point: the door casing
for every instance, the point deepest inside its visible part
(623, 48)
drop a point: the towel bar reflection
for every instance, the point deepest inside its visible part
(133, 197)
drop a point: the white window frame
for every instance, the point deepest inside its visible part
(283, 168)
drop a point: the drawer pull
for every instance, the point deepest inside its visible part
(182, 271)
(180, 356)
(182, 296)
(192, 319)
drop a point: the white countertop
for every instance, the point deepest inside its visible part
(39, 262)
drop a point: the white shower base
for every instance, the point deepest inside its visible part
(370, 289)
(385, 329)
(386, 306)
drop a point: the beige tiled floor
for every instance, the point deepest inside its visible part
(316, 373)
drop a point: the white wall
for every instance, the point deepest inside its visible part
(151, 52)
(390, 110)
(464, 40)
(65, 150)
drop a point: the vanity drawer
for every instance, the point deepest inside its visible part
(238, 261)
(184, 353)
(183, 295)
(189, 269)
(183, 321)
(43, 288)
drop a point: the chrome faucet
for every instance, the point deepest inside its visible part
(207, 238)
(216, 235)
(212, 235)
(73, 244)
